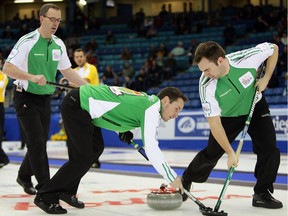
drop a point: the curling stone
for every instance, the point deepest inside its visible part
(164, 199)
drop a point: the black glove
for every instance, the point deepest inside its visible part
(126, 137)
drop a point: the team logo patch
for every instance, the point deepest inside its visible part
(13, 53)
(56, 53)
(206, 108)
(247, 79)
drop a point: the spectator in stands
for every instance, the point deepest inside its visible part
(140, 83)
(17, 18)
(126, 54)
(110, 77)
(158, 22)
(152, 53)
(261, 25)
(93, 24)
(133, 23)
(164, 14)
(179, 50)
(127, 70)
(139, 18)
(33, 22)
(284, 38)
(162, 51)
(79, 21)
(23, 30)
(25, 19)
(91, 46)
(7, 51)
(148, 22)
(110, 38)
(74, 44)
(282, 62)
(182, 24)
(91, 57)
(8, 33)
(191, 50)
(151, 32)
(70, 53)
(277, 41)
(169, 67)
(229, 34)
(129, 83)
(147, 65)
(154, 74)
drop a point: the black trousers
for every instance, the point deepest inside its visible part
(84, 144)
(3, 156)
(34, 112)
(262, 133)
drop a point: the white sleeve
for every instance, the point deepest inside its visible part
(149, 137)
(252, 57)
(64, 62)
(209, 103)
(19, 56)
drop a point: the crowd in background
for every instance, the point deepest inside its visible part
(160, 63)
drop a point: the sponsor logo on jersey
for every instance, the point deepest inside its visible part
(56, 53)
(206, 108)
(225, 93)
(38, 54)
(247, 79)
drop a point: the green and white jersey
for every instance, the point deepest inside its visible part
(36, 55)
(120, 109)
(232, 95)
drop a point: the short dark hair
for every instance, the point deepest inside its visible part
(210, 50)
(46, 7)
(79, 50)
(173, 94)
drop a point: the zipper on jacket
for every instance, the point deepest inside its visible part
(48, 44)
(233, 85)
(112, 122)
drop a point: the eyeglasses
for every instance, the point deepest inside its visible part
(53, 19)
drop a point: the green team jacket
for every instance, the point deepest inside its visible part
(39, 56)
(121, 109)
(232, 95)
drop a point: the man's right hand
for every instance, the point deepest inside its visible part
(38, 79)
(232, 160)
(126, 137)
(177, 184)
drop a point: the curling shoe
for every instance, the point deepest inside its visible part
(71, 200)
(54, 208)
(187, 186)
(266, 200)
(27, 186)
(2, 164)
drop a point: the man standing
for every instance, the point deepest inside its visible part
(34, 60)
(90, 74)
(227, 87)
(113, 108)
(4, 160)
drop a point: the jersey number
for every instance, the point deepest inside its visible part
(122, 90)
